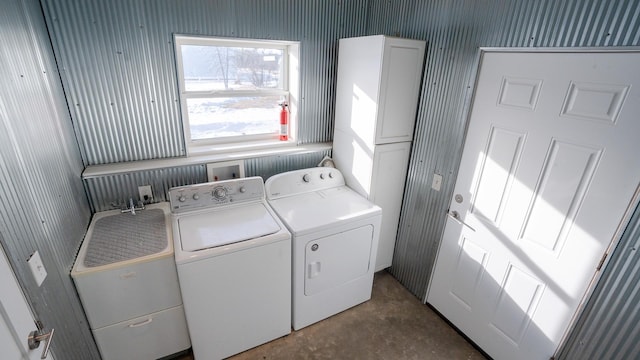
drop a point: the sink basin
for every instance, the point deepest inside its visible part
(116, 238)
(126, 275)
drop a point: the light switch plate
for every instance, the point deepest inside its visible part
(437, 182)
(37, 268)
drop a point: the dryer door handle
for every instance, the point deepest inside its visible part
(313, 269)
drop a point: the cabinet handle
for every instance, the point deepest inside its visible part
(128, 275)
(148, 321)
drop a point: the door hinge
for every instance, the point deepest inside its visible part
(604, 257)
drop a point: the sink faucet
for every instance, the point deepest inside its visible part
(132, 207)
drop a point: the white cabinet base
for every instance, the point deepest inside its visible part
(390, 163)
(147, 337)
(380, 176)
(124, 292)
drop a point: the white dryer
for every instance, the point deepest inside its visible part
(233, 257)
(335, 235)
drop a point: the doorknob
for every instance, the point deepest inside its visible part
(37, 336)
(456, 216)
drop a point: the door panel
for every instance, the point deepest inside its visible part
(518, 299)
(595, 101)
(520, 93)
(496, 175)
(566, 174)
(468, 271)
(547, 174)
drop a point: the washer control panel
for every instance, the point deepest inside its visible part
(302, 181)
(218, 193)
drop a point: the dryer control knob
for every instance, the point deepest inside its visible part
(321, 175)
(219, 193)
(196, 196)
(182, 198)
(331, 175)
(306, 178)
(242, 189)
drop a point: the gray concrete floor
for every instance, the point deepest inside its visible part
(394, 324)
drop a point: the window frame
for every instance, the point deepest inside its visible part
(230, 143)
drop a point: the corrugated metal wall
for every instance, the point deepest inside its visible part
(609, 327)
(117, 64)
(454, 31)
(268, 166)
(43, 204)
(113, 191)
(116, 60)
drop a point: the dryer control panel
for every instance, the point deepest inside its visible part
(217, 193)
(303, 181)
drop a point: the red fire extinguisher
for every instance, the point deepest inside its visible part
(284, 122)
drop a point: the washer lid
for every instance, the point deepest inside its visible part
(225, 226)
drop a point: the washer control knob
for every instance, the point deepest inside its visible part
(331, 175)
(242, 189)
(196, 196)
(182, 198)
(321, 175)
(219, 193)
(314, 247)
(306, 178)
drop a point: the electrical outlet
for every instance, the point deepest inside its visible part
(37, 268)
(437, 182)
(146, 195)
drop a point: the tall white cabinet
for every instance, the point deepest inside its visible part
(377, 94)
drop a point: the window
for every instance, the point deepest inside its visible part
(232, 90)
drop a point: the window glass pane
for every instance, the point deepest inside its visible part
(211, 118)
(209, 68)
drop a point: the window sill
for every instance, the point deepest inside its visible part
(234, 148)
(203, 157)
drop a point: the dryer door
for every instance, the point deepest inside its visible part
(337, 259)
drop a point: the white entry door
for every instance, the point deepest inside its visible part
(549, 167)
(16, 321)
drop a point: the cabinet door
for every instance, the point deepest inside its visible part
(148, 337)
(125, 292)
(399, 89)
(389, 174)
(357, 84)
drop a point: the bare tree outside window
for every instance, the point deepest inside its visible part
(223, 61)
(225, 90)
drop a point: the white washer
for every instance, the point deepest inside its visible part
(335, 239)
(233, 257)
